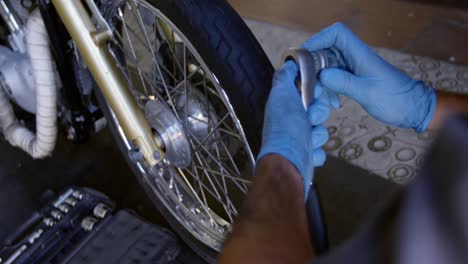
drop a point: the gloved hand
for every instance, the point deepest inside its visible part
(382, 90)
(290, 131)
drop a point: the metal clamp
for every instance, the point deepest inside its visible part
(103, 32)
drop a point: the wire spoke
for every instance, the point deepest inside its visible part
(206, 188)
(211, 132)
(203, 163)
(220, 200)
(200, 184)
(194, 175)
(148, 47)
(206, 209)
(161, 32)
(135, 61)
(233, 163)
(224, 175)
(227, 131)
(158, 61)
(215, 160)
(132, 49)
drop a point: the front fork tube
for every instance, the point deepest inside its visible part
(91, 42)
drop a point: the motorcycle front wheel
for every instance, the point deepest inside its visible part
(202, 80)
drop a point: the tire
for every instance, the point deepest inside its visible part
(233, 54)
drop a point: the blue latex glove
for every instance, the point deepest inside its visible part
(290, 131)
(382, 90)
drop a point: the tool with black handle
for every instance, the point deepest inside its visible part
(309, 65)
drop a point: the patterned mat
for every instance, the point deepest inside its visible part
(390, 152)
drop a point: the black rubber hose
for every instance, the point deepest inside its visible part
(317, 224)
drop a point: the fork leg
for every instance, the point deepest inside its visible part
(91, 42)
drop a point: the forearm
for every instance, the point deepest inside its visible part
(448, 104)
(272, 227)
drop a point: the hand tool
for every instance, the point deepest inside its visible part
(309, 65)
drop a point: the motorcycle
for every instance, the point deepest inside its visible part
(181, 84)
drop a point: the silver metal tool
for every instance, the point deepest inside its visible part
(310, 64)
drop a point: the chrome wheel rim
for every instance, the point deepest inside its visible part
(205, 196)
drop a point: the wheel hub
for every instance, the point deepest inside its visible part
(169, 131)
(197, 114)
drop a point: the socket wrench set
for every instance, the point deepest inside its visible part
(50, 233)
(82, 226)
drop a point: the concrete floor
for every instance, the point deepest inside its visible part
(26, 185)
(439, 32)
(98, 165)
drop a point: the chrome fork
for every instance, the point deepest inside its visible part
(91, 39)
